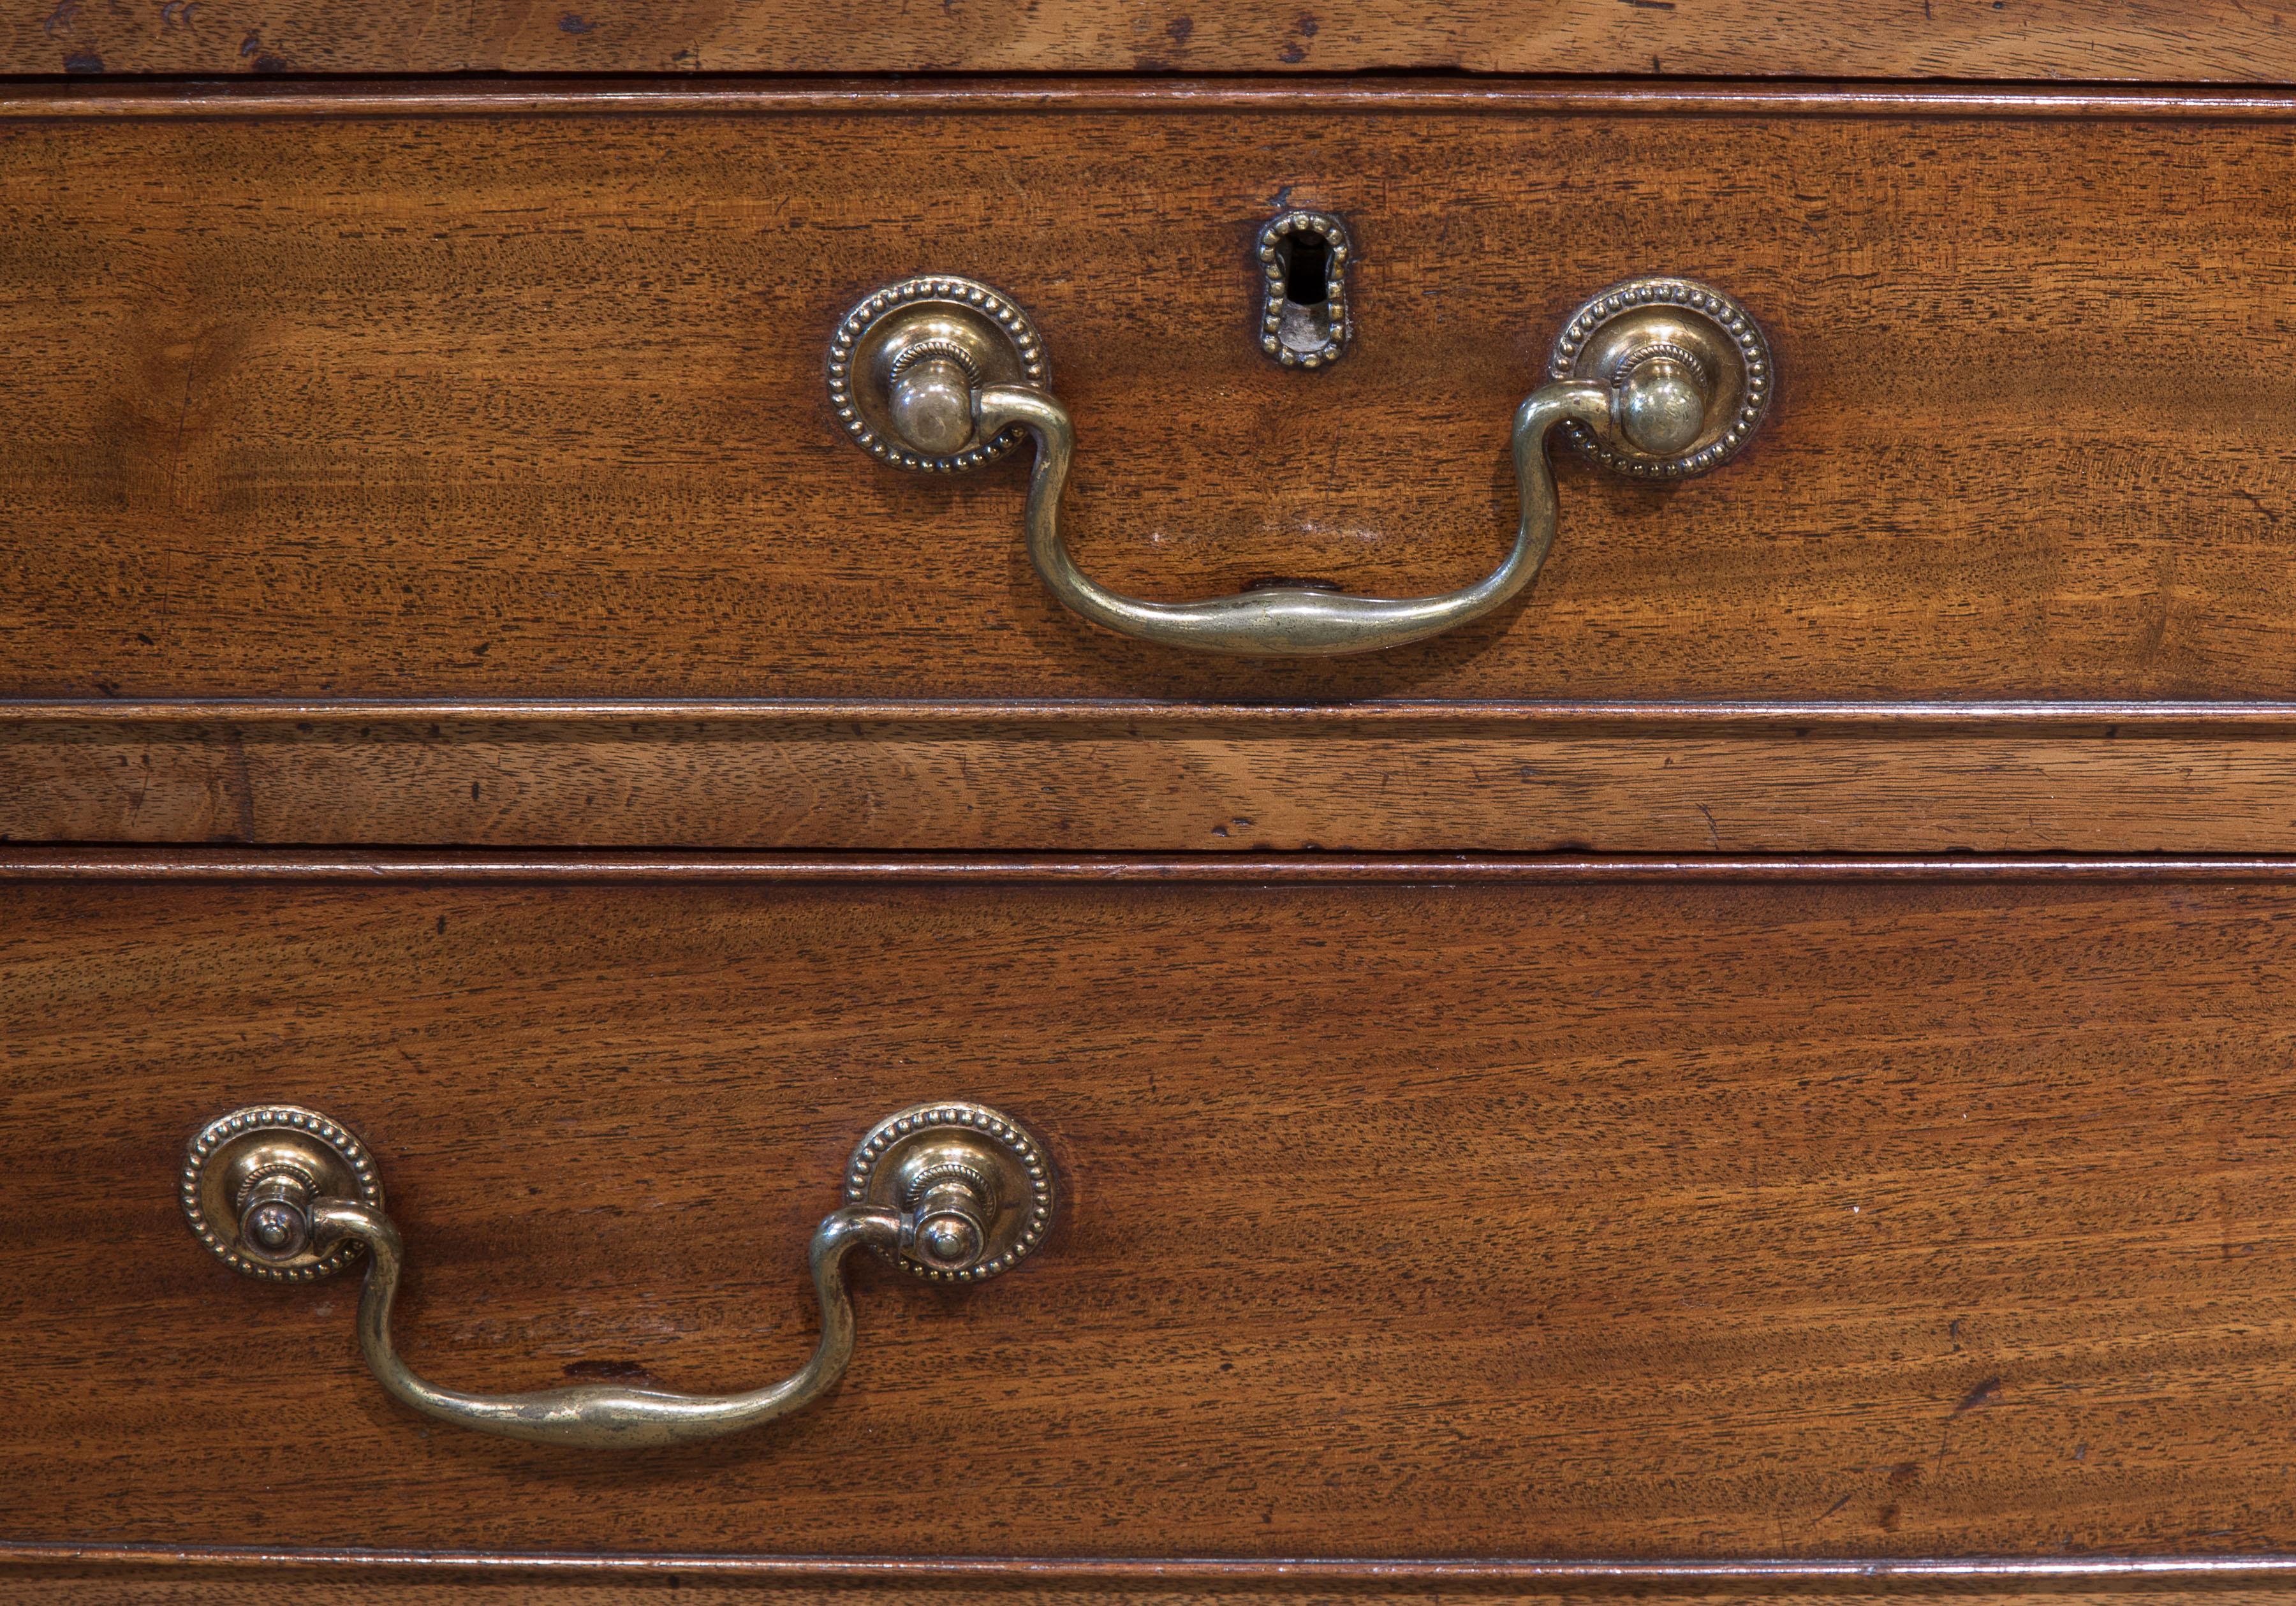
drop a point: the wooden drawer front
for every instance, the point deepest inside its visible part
(1693, 1218)
(531, 403)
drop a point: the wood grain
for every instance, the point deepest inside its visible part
(375, 866)
(1080, 779)
(531, 407)
(1872, 1577)
(593, 94)
(1812, 1218)
(255, 1588)
(2150, 40)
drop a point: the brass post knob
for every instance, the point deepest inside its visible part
(931, 404)
(952, 1191)
(274, 1216)
(1687, 370)
(252, 1180)
(907, 367)
(949, 1187)
(950, 1232)
(1659, 399)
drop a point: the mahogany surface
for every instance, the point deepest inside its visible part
(157, 1585)
(1504, 1157)
(2148, 40)
(1829, 1215)
(1152, 778)
(530, 405)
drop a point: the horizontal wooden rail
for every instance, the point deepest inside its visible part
(304, 865)
(294, 97)
(2098, 718)
(1765, 1573)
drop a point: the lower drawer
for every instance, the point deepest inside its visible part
(1470, 1211)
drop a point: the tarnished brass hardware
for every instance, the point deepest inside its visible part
(1303, 304)
(274, 1214)
(1688, 371)
(951, 1191)
(905, 361)
(977, 1187)
(1659, 377)
(250, 1178)
(931, 401)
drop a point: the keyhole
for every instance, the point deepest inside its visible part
(1307, 262)
(1303, 260)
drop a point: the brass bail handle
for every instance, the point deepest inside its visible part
(953, 1192)
(1656, 378)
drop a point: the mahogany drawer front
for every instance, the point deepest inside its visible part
(1502, 1218)
(2184, 40)
(529, 403)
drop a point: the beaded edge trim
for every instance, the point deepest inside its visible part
(275, 1117)
(1272, 298)
(1734, 320)
(928, 287)
(972, 1118)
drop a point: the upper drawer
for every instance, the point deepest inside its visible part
(532, 404)
(2177, 39)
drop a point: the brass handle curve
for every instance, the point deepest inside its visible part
(1288, 621)
(954, 1192)
(1657, 378)
(599, 1416)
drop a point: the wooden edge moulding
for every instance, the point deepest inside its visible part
(908, 96)
(1766, 1574)
(2089, 718)
(375, 867)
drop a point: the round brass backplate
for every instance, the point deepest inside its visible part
(233, 1151)
(1718, 339)
(979, 328)
(903, 1154)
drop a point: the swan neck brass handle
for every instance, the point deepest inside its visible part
(1658, 378)
(953, 1192)
(599, 1416)
(1288, 620)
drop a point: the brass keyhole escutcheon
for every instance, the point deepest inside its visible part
(1303, 258)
